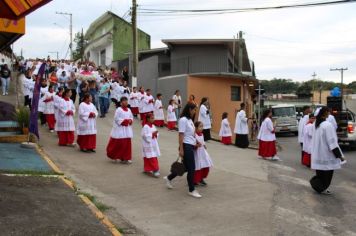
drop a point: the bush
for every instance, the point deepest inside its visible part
(23, 117)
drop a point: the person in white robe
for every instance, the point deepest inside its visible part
(225, 130)
(241, 128)
(134, 102)
(56, 103)
(86, 125)
(140, 97)
(41, 103)
(148, 104)
(307, 139)
(158, 111)
(27, 84)
(203, 162)
(267, 138)
(48, 100)
(326, 155)
(204, 117)
(65, 124)
(171, 116)
(150, 147)
(302, 122)
(332, 120)
(119, 146)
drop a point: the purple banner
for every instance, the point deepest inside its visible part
(35, 99)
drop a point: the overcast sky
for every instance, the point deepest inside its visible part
(289, 43)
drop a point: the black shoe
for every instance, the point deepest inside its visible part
(92, 150)
(83, 150)
(203, 183)
(102, 116)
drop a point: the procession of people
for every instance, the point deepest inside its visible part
(98, 89)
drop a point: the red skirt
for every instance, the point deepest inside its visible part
(267, 149)
(142, 116)
(119, 149)
(199, 175)
(65, 137)
(159, 123)
(150, 164)
(134, 110)
(306, 159)
(171, 125)
(51, 121)
(226, 140)
(87, 142)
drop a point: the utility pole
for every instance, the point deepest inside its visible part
(70, 31)
(134, 43)
(240, 42)
(342, 82)
(314, 75)
(56, 53)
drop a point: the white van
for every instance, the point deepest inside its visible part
(285, 119)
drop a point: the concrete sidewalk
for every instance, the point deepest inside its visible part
(237, 201)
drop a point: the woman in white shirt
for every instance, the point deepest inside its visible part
(204, 117)
(326, 155)
(187, 144)
(267, 138)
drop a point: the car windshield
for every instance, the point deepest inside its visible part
(283, 111)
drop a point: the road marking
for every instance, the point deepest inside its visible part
(294, 180)
(282, 167)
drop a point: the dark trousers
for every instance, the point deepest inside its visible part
(74, 95)
(321, 181)
(42, 118)
(117, 103)
(206, 133)
(27, 101)
(104, 105)
(189, 163)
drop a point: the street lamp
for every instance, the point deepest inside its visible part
(70, 31)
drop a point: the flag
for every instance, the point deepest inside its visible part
(35, 99)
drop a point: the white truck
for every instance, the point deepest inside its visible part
(285, 119)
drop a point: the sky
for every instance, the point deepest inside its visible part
(287, 43)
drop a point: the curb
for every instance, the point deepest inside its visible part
(249, 147)
(99, 215)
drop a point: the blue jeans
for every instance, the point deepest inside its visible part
(5, 83)
(104, 105)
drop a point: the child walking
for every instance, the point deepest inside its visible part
(225, 130)
(171, 116)
(201, 156)
(150, 148)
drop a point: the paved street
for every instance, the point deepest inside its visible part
(245, 196)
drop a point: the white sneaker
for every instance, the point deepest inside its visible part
(129, 162)
(343, 162)
(275, 158)
(195, 194)
(168, 182)
(7, 93)
(51, 131)
(3, 94)
(156, 174)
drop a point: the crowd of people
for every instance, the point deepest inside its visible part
(98, 89)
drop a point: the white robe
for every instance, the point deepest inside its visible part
(204, 117)
(302, 122)
(119, 131)
(133, 101)
(26, 84)
(158, 112)
(323, 142)
(147, 105)
(241, 125)
(140, 98)
(57, 100)
(64, 122)
(266, 132)
(201, 156)
(307, 137)
(86, 125)
(49, 106)
(332, 120)
(150, 147)
(225, 130)
(41, 103)
(171, 115)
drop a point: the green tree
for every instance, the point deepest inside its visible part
(352, 86)
(279, 86)
(304, 91)
(79, 41)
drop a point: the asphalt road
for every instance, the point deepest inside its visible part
(297, 209)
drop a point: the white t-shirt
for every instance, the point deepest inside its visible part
(186, 126)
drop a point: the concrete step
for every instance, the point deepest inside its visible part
(8, 124)
(11, 133)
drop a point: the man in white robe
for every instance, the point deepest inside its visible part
(241, 128)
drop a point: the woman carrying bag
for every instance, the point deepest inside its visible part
(187, 143)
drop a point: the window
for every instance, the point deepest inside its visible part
(235, 93)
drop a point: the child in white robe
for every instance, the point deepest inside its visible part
(267, 138)
(171, 116)
(225, 130)
(134, 103)
(65, 126)
(150, 148)
(203, 161)
(158, 112)
(86, 126)
(48, 100)
(307, 139)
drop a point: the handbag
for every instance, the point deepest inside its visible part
(178, 167)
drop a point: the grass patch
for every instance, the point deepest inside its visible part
(29, 172)
(101, 206)
(120, 230)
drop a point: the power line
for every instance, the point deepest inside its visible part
(158, 12)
